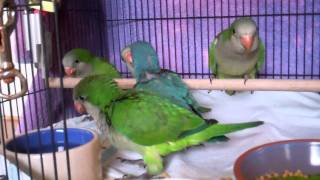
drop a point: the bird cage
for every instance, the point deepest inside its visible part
(181, 32)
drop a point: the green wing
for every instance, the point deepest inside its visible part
(176, 81)
(212, 60)
(147, 119)
(182, 88)
(223, 36)
(261, 57)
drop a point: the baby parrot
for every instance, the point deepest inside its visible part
(237, 52)
(144, 122)
(80, 62)
(142, 60)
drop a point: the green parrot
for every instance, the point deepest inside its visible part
(80, 62)
(143, 122)
(237, 52)
(142, 60)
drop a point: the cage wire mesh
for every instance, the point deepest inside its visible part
(32, 111)
(180, 31)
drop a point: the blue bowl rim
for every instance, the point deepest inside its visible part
(240, 159)
(95, 137)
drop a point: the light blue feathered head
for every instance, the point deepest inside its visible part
(141, 58)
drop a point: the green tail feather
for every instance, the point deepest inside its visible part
(202, 136)
(199, 129)
(230, 92)
(218, 139)
(203, 109)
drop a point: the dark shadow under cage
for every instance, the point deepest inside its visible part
(180, 31)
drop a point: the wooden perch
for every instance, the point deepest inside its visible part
(219, 84)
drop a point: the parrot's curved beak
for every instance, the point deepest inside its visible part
(70, 71)
(79, 107)
(246, 41)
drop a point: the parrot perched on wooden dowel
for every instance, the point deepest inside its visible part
(237, 52)
(80, 62)
(142, 60)
(145, 123)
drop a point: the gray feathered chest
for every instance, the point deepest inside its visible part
(233, 63)
(107, 134)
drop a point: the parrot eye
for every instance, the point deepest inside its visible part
(76, 61)
(82, 98)
(233, 31)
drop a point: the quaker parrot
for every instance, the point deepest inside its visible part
(80, 62)
(237, 52)
(142, 60)
(143, 122)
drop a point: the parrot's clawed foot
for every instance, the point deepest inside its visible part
(138, 162)
(246, 77)
(210, 79)
(211, 121)
(87, 118)
(230, 92)
(252, 92)
(245, 81)
(198, 145)
(144, 176)
(213, 76)
(127, 176)
(104, 147)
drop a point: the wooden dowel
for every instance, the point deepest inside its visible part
(219, 84)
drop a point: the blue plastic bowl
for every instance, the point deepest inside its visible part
(276, 157)
(41, 142)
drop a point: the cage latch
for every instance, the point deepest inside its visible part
(7, 70)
